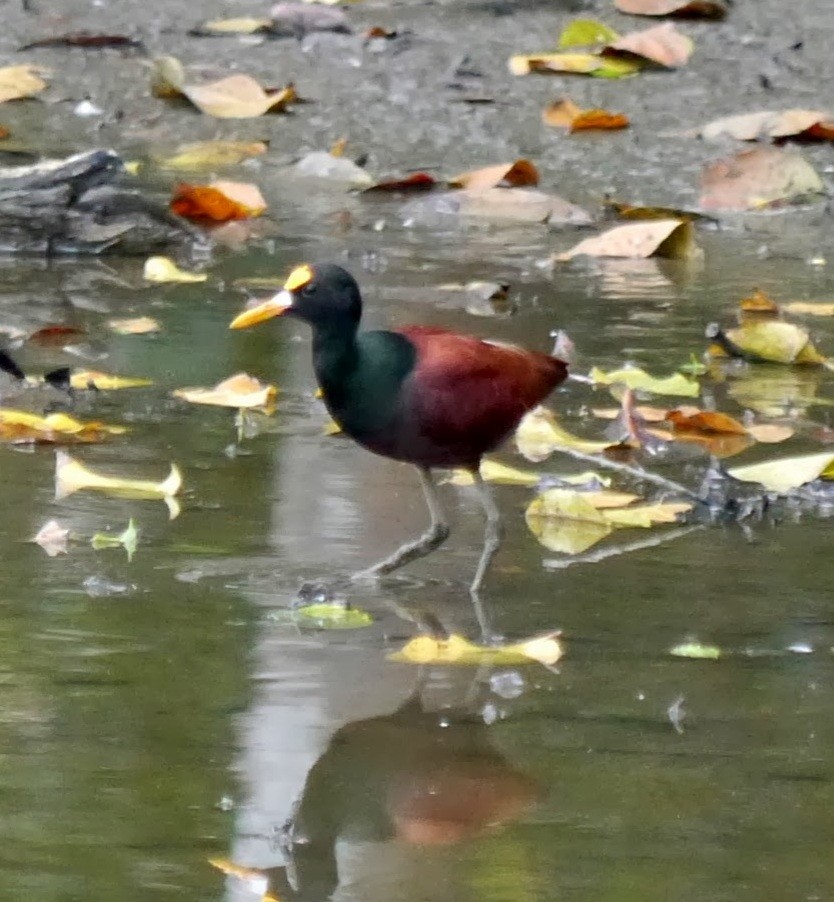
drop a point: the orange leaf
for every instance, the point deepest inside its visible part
(599, 119)
(705, 421)
(505, 175)
(219, 202)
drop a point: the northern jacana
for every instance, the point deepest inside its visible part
(420, 394)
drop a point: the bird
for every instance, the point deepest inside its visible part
(423, 395)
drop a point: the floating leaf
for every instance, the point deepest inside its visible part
(700, 9)
(137, 325)
(663, 45)
(240, 391)
(566, 522)
(17, 82)
(72, 476)
(545, 649)
(331, 617)
(758, 178)
(492, 471)
(565, 113)
(82, 380)
(52, 537)
(573, 63)
(640, 380)
(585, 33)
(709, 421)
(518, 174)
(213, 154)
(773, 124)
(808, 308)
(163, 269)
(653, 238)
(539, 434)
(766, 341)
(128, 539)
(20, 426)
(697, 651)
(220, 201)
(645, 516)
(640, 214)
(520, 205)
(788, 473)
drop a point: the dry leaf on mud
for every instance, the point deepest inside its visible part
(239, 391)
(566, 114)
(137, 325)
(592, 64)
(17, 82)
(773, 124)
(234, 97)
(212, 154)
(544, 649)
(517, 174)
(237, 25)
(673, 238)
(416, 181)
(789, 473)
(662, 45)
(220, 201)
(72, 476)
(163, 270)
(758, 178)
(52, 537)
(694, 9)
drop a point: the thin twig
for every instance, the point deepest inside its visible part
(594, 557)
(635, 472)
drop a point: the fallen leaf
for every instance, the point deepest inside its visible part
(645, 516)
(241, 391)
(776, 391)
(492, 471)
(17, 82)
(773, 124)
(19, 426)
(565, 521)
(771, 433)
(417, 181)
(809, 308)
(238, 25)
(331, 617)
(707, 421)
(758, 178)
(72, 476)
(566, 114)
(54, 336)
(640, 214)
(585, 33)
(758, 306)
(84, 39)
(518, 174)
(640, 380)
(218, 202)
(137, 325)
(520, 205)
(127, 539)
(539, 434)
(765, 341)
(82, 380)
(323, 165)
(52, 537)
(673, 238)
(696, 651)
(663, 45)
(163, 269)
(573, 63)
(237, 96)
(212, 154)
(545, 649)
(647, 413)
(696, 9)
(788, 473)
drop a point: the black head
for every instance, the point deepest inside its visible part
(320, 294)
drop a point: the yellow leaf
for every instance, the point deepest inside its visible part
(82, 380)
(72, 476)
(806, 307)
(539, 435)
(565, 521)
(213, 154)
(774, 341)
(137, 325)
(19, 425)
(240, 391)
(575, 63)
(674, 238)
(239, 25)
(545, 649)
(640, 380)
(648, 515)
(17, 82)
(786, 474)
(492, 471)
(163, 269)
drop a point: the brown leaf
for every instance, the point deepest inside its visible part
(758, 306)
(662, 44)
(705, 421)
(697, 9)
(662, 238)
(417, 181)
(84, 39)
(521, 205)
(632, 213)
(55, 336)
(774, 124)
(566, 114)
(219, 202)
(517, 174)
(757, 178)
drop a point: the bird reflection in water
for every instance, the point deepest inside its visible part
(413, 776)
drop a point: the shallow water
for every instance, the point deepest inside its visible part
(160, 713)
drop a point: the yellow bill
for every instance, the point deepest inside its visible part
(278, 304)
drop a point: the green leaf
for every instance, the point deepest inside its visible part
(696, 651)
(128, 539)
(586, 32)
(640, 380)
(331, 617)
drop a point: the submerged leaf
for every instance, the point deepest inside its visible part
(72, 476)
(52, 537)
(213, 154)
(331, 617)
(640, 380)
(240, 391)
(696, 651)
(545, 649)
(788, 473)
(163, 269)
(673, 238)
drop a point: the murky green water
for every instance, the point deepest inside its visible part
(161, 713)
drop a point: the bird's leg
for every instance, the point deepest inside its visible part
(493, 533)
(432, 538)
